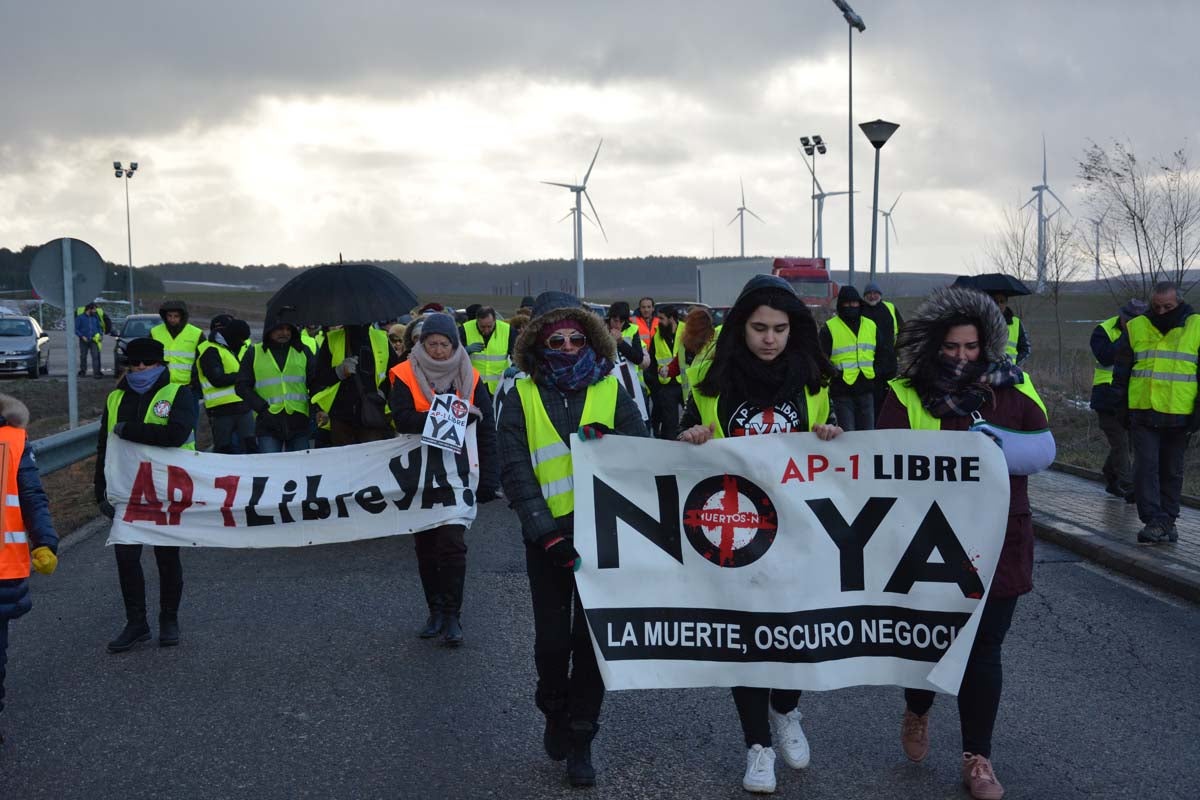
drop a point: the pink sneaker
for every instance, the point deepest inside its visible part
(979, 778)
(914, 735)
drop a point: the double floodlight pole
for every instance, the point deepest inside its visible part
(813, 146)
(127, 173)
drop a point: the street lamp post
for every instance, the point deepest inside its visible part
(877, 132)
(813, 147)
(855, 22)
(127, 173)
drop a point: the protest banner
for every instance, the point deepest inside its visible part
(784, 561)
(170, 496)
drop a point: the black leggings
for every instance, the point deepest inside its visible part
(751, 702)
(979, 695)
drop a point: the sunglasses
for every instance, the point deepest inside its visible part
(395, 338)
(142, 363)
(558, 341)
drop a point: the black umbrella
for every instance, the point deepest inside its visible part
(993, 283)
(340, 294)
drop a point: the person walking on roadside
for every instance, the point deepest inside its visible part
(1106, 401)
(666, 391)
(488, 342)
(28, 538)
(1155, 376)
(695, 341)
(229, 417)
(567, 353)
(351, 382)
(147, 407)
(90, 330)
(439, 365)
(181, 346)
(768, 374)
(849, 341)
(952, 368)
(887, 324)
(274, 381)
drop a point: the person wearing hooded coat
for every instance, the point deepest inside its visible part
(147, 407)
(229, 416)
(439, 364)
(953, 365)
(767, 375)
(567, 353)
(181, 346)
(274, 381)
(849, 341)
(887, 321)
(350, 383)
(38, 547)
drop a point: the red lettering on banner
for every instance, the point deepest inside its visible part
(816, 465)
(228, 484)
(792, 473)
(179, 493)
(144, 504)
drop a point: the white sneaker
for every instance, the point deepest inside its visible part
(788, 736)
(760, 770)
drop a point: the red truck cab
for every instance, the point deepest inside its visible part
(810, 278)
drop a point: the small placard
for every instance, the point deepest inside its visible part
(446, 423)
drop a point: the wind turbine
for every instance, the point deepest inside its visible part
(888, 221)
(580, 191)
(574, 240)
(1042, 219)
(1096, 223)
(741, 215)
(820, 198)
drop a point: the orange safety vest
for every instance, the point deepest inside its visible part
(403, 372)
(646, 332)
(14, 552)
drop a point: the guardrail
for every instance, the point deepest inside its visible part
(60, 450)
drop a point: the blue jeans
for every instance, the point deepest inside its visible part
(271, 444)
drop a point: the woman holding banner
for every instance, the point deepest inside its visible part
(766, 375)
(568, 354)
(438, 365)
(146, 408)
(954, 375)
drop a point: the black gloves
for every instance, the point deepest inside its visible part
(106, 508)
(485, 496)
(560, 551)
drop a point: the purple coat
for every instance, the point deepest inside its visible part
(1012, 409)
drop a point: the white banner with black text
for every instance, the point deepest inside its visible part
(169, 496)
(787, 562)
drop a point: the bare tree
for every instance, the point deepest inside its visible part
(1013, 250)
(1065, 260)
(1151, 227)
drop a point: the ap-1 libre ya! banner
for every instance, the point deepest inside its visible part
(785, 561)
(169, 496)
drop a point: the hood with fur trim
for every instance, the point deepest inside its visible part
(173, 305)
(526, 349)
(942, 305)
(13, 411)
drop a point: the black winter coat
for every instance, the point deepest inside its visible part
(281, 426)
(516, 469)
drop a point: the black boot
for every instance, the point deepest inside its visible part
(580, 771)
(136, 630)
(452, 579)
(427, 569)
(436, 622)
(168, 629)
(556, 737)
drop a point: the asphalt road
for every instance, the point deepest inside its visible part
(299, 676)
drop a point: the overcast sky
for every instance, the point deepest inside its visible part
(291, 131)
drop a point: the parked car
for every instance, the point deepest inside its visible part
(135, 326)
(24, 346)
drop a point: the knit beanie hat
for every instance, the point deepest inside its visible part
(440, 323)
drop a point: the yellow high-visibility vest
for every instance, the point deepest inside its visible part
(215, 396)
(1104, 375)
(287, 387)
(157, 412)
(1164, 366)
(179, 351)
(853, 354)
(492, 360)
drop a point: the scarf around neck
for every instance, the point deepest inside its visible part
(141, 382)
(440, 377)
(574, 371)
(964, 387)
